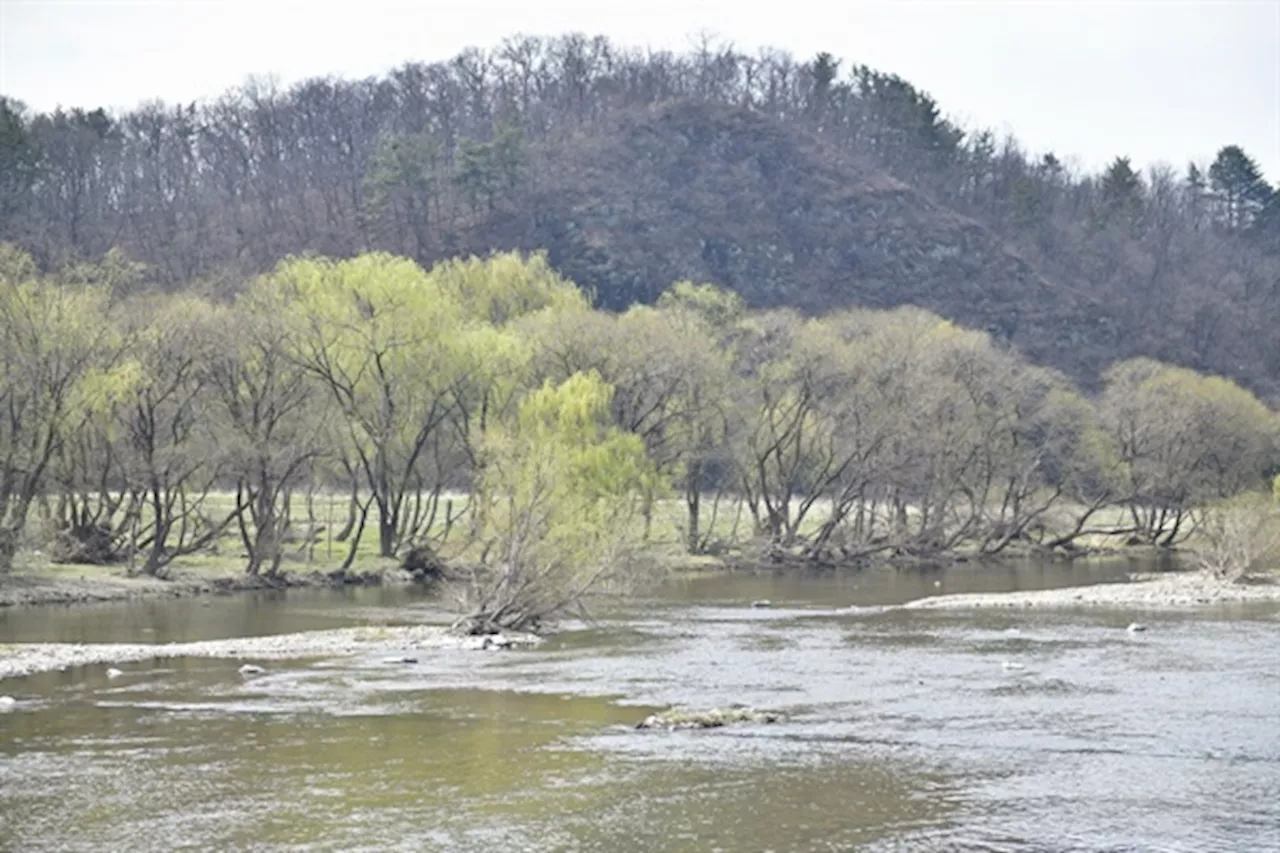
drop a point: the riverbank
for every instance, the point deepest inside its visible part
(93, 584)
(1162, 591)
(401, 642)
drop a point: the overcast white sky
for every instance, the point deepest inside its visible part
(1158, 80)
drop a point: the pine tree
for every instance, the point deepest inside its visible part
(1194, 194)
(1121, 187)
(1266, 225)
(18, 158)
(1238, 186)
(824, 70)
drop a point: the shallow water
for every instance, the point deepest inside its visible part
(935, 731)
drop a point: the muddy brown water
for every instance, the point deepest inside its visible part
(933, 731)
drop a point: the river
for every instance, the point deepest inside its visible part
(931, 731)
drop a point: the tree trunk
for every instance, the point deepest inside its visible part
(353, 510)
(386, 532)
(8, 549)
(693, 499)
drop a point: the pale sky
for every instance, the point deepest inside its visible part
(1158, 80)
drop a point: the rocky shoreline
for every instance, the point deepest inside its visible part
(1162, 591)
(30, 658)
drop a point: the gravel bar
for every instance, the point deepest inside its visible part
(1166, 591)
(28, 658)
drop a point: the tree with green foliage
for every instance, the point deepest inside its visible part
(1185, 440)
(269, 418)
(562, 490)
(59, 367)
(669, 381)
(1121, 188)
(486, 170)
(710, 317)
(904, 126)
(1238, 187)
(171, 455)
(19, 160)
(824, 70)
(792, 443)
(502, 297)
(413, 360)
(380, 338)
(401, 190)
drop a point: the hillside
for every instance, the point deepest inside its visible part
(792, 182)
(707, 193)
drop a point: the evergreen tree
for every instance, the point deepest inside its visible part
(18, 158)
(1266, 225)
(400, 189)
(1121, 188)
(1194, 193)
(824, 69)
(1238, 186)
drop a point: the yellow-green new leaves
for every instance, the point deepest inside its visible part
(563, 439)
(405, 353)
(59, 363)
(1187, 437)
(376, 327)
(718, 308)
(558, 499)
(380, 339)
(506, 286)
(58, 345)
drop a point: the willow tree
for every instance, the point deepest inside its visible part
(1185, 440)
(704, 321)
(171, 454)
(406, 356)
(782, 448)
(269, 420)
(505, 298)
(562, 491)
(669, 379)
(986, 449)
(1239, 536)
(378, 335)
(58, 364)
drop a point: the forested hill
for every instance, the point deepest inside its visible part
(805, 183)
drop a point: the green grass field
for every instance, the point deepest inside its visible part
(314, 547)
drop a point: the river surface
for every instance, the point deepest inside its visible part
(932, 731)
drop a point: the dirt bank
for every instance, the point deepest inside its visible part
(97, 585)
(1172, 590)
(401, 642)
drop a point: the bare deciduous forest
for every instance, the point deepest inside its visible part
(809, 184)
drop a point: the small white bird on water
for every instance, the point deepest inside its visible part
(1136, 627)
(114, 673)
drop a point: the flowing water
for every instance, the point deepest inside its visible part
(933, 731)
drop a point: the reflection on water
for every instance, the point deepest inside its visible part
(998, 731)
(186, 620)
